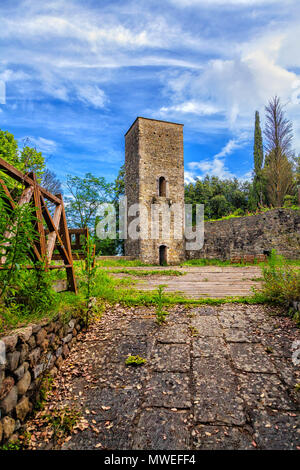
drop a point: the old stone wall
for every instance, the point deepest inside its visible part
(277, 229)
(25, 356)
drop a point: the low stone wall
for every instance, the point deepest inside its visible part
(277, 229)
(25, 356)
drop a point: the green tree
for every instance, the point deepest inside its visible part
(258, 155)
(85, 197)
(26, 160)
(108, 246)
(278, 143)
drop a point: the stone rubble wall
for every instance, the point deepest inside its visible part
(277, 229)
(26, 355)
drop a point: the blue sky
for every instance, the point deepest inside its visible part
(77, 73)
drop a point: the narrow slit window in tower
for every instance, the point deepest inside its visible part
(162, 187)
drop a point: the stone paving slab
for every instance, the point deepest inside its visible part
(168, 389)
(206, 347)
(226, 388)
(251, 358)
(216, 392)
(207, 326)
(275, 430)
(158, 430)
(208, 437)
(262, 390)
(173, 333)
(171, 358)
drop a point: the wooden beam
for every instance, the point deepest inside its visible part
(65, 235)
(25, 179)
(52, 228)
(52, 235)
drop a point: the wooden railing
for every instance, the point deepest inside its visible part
(51, 231)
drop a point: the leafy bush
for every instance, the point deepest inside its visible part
(281, 282)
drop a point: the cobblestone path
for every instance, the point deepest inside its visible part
(215, 378)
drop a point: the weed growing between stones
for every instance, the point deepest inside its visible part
(193, 330)
(160, 312)
(63, 421)
(135, 361)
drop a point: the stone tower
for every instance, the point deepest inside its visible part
(154, 175)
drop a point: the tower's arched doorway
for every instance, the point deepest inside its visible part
(163, 255)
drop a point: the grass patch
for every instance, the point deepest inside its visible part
(114, 290)
(281, 281)
(154, 272)
(119, 261)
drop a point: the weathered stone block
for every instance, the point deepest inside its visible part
(22, 408)
(6, 386)
(24, 383)
(10, 401)
(34, 357)
(36, 329)
(67, 338)
(41, 335)
(8, 425)
(24, 351)
(12, 360)
(10, 342)
(37, 370)
(24, 333)
(19, 372)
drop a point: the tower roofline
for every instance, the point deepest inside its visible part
(156, 120)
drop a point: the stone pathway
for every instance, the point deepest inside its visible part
(215, 378)
(203, 281)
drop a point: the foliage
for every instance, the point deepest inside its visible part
(17, 235)
(88, 272)
(86, 196)
(154, 272)
(26, 160)
(63, 420)
(135, 361)
(258, 154)
(160, 312)
(220, 197)
(278, 168)
(281, 281)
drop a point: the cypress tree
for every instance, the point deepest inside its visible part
(258, 155)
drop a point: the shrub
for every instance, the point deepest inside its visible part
(281, 282)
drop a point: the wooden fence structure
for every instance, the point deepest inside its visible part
(51, 231)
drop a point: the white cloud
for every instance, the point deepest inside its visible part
(91, 95)
(214, 3)
(46, 146)
(217, 165)
(192, 107)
